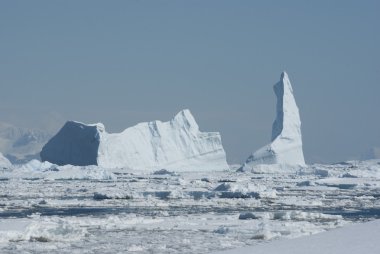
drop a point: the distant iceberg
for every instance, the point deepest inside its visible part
(286, 143)
(370, 154)
(4, 162)
(176, 145)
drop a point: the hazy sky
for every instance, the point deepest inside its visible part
(122, 62)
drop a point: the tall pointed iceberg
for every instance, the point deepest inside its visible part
(176, 145)
(286, 142)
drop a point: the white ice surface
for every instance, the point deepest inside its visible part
(41, 229)
(353, 239)
(46, 170)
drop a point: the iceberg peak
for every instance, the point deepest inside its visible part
(186, 119)
(287, 122)
(284, 75)
(98, 126)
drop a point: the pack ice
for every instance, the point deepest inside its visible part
(175, 145)
(286, 143)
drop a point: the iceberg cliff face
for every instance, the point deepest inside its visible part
(175, 145)
(76, 144)
(286, 142)
(4, 162)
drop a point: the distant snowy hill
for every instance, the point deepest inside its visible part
(21, 144)
(177, 145)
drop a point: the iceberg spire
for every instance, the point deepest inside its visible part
(286, 141)
(287, 123)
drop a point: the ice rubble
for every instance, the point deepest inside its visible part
(228, 208)
(45, 170)
(4, 162)
(286, 143)
(176, 145)
(40, 229)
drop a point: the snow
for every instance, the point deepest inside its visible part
(286, 143)
(4, 162)
(40, 229)
(177, 145)
(359, 238)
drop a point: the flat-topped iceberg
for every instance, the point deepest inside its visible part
(176, 145)
(286, 143)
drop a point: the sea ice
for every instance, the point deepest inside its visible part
(35, 169)
(355, 239)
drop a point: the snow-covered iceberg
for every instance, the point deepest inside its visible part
(176, 145)
(4, 162)
(286, 143)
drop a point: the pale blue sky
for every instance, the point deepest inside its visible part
(122, 62)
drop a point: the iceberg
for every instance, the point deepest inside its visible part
(286, 143)
(176, 145)
(4, 162)
(371, 154)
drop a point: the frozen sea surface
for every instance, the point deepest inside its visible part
(46, 208)
(357, 238)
